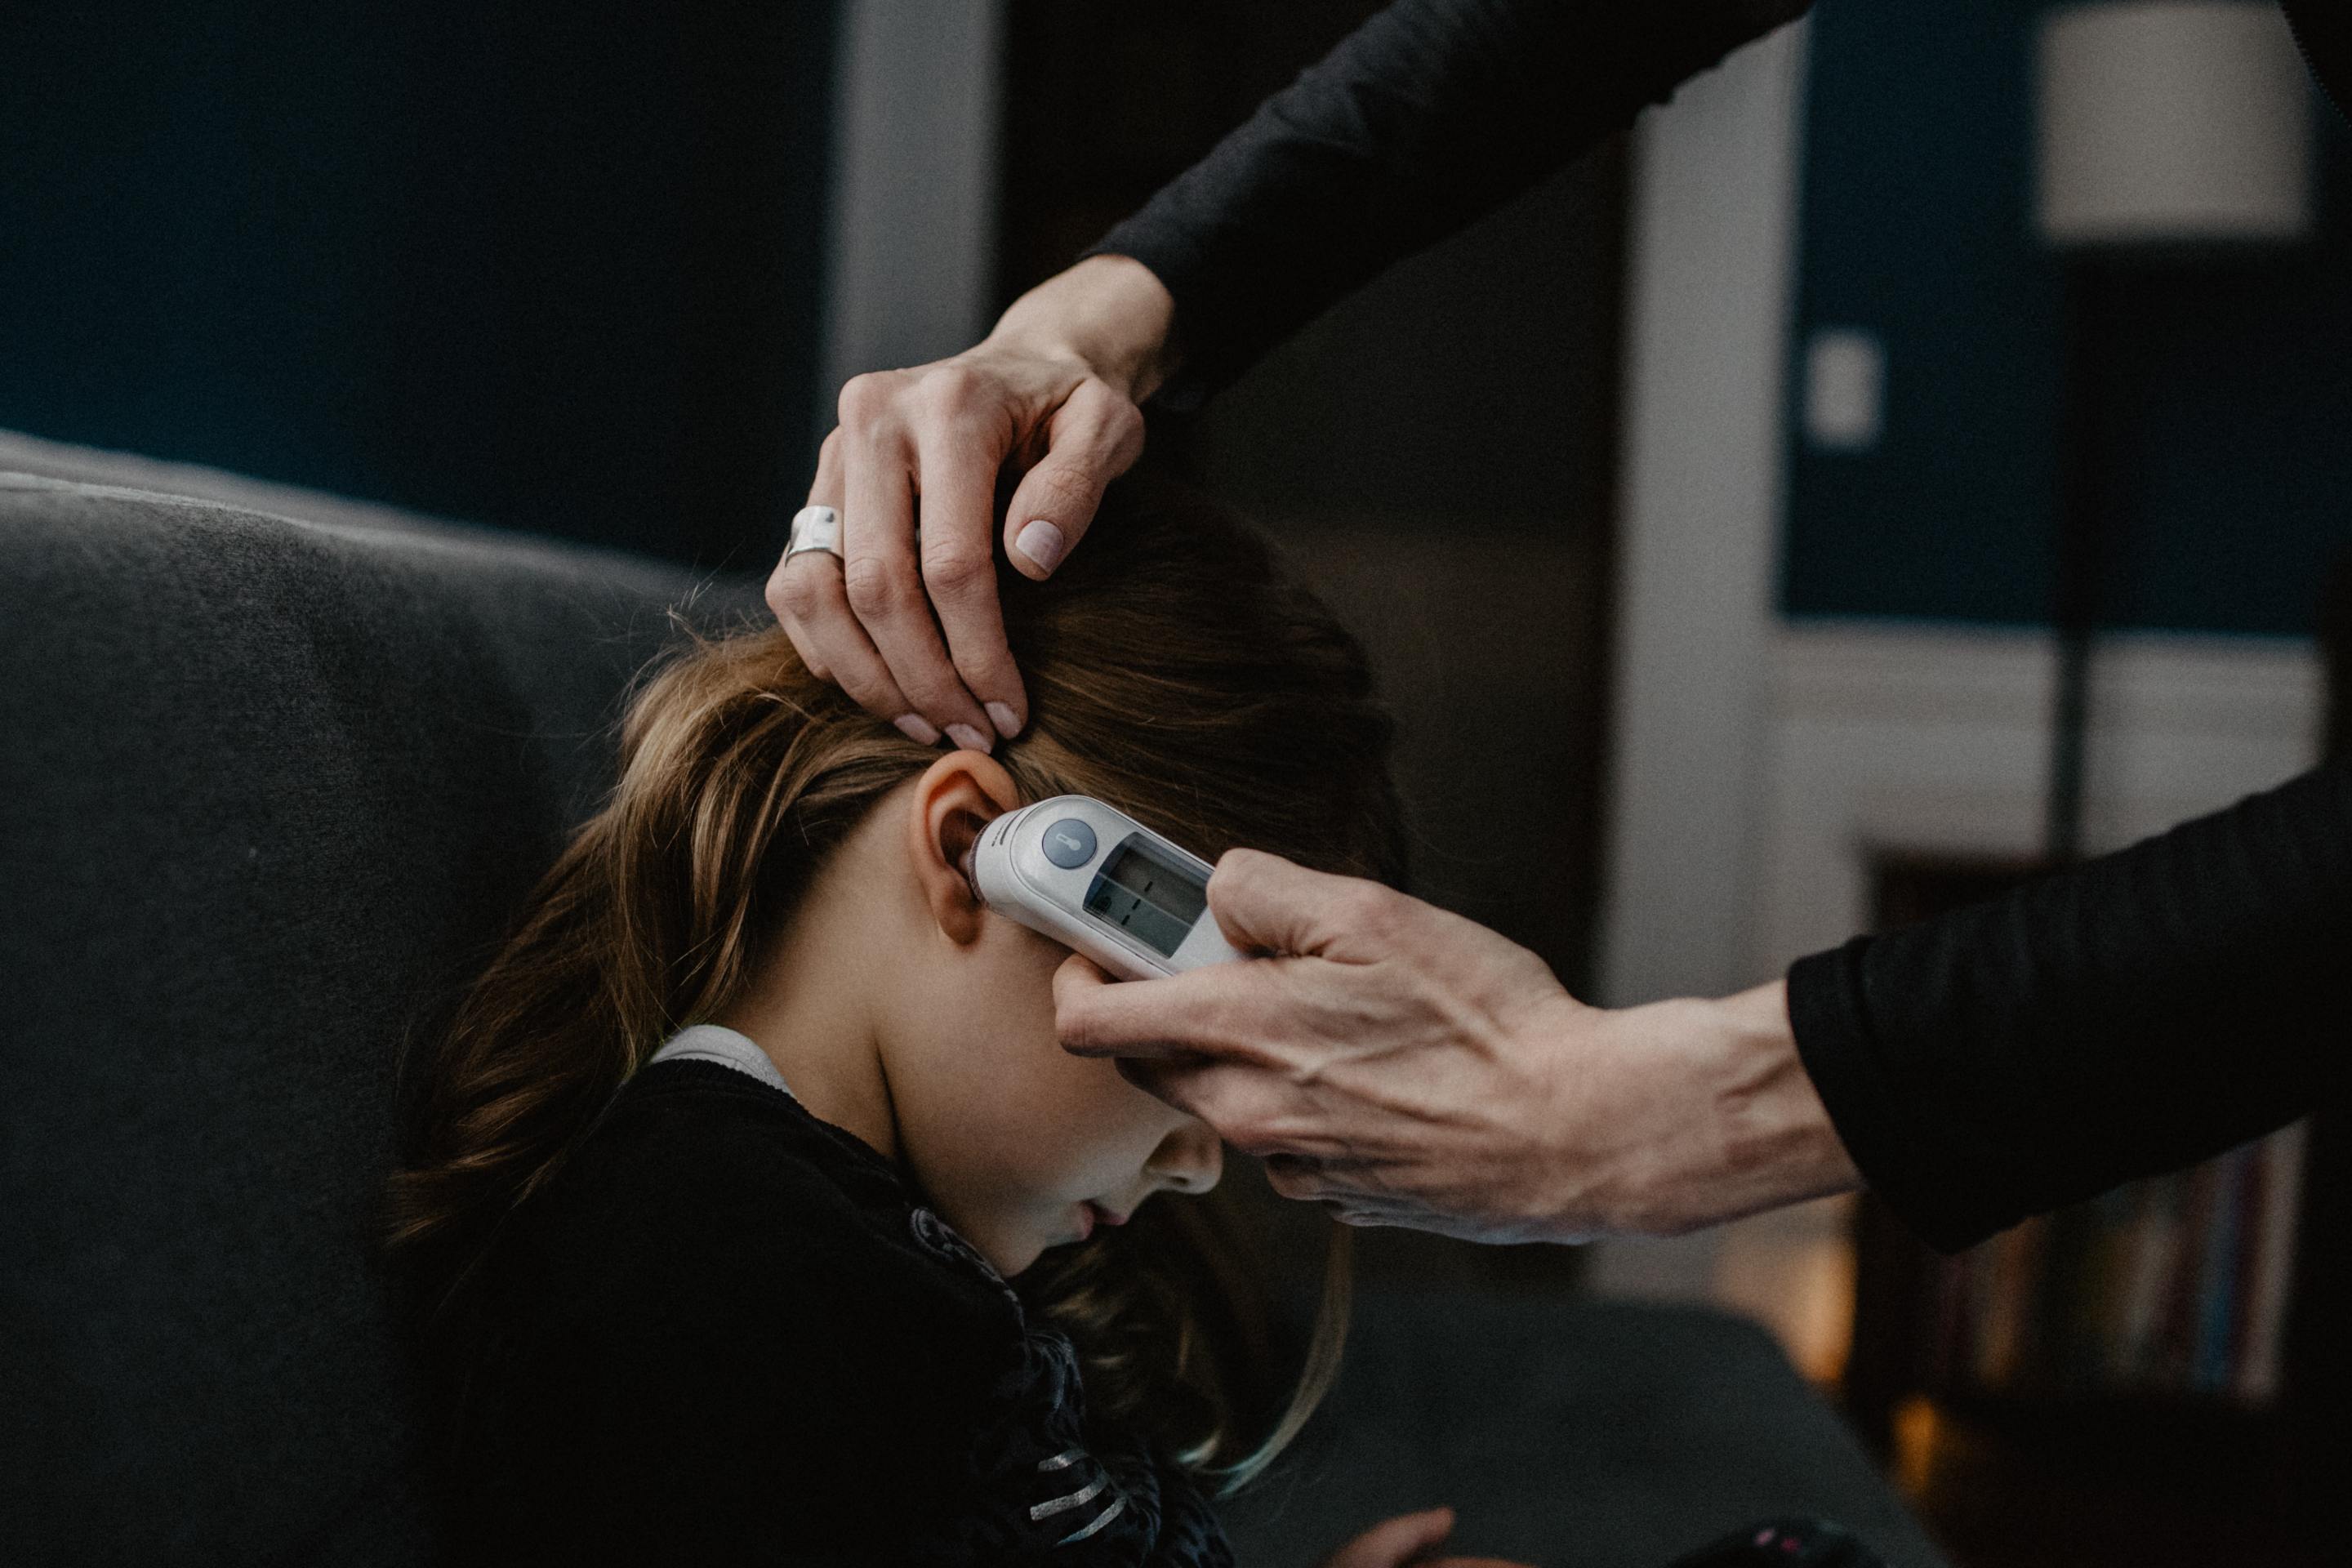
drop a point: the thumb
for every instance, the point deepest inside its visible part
(1095, 436)
(1265, 904)
(1393, 1543)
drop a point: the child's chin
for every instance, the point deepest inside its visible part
(1016, 1258)
(1020, 1262)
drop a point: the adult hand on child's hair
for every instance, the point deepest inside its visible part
(1406, 1540)
(1051, 393)
(1404, 1066)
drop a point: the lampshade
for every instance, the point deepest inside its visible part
(2172, 121)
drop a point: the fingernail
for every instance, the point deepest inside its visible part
(918, 728)
(970, 738)
(1041, 543)
(1001, 714)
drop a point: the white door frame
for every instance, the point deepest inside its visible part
(911, 272)
(1710, 295)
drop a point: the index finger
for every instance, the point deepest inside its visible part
(958, 538)
(1214, 1013)
(1257, 1110)
(884, 590)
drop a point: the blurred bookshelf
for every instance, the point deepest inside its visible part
(2155, 1376)
(2159, 1375)
(2175, 1288)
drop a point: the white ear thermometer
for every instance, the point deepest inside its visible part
(1097, 881)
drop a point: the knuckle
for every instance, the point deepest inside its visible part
(1122, 420)
(1250, 1131)
(1117, 428)
(875, 589)
(950, 389)
(865, 399)
(794, 595)
(957, 573)
(1368, 907)
(1238, 869)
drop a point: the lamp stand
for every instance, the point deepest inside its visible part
(2085, 500)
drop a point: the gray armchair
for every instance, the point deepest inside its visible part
(274, 768)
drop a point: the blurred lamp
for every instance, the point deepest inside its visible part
(2166, 126)
(2172, 121)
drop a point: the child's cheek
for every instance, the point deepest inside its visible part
(1078, 1116)
(1129, 1124)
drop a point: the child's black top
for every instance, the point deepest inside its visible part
(729, 1331)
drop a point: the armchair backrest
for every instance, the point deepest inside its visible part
(268, 790)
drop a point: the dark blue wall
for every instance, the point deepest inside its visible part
(548, 265)
(2226, 402)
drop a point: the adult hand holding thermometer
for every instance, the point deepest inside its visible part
(1395, 1061)
(1404, 1066)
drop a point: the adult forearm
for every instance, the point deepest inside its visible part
(1431, 113)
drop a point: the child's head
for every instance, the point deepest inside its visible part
(901, 1009)
(775, 859)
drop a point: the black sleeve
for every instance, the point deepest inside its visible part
(1432, 113)
(2136, 1014)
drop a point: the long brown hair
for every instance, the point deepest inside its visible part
(1174, 670)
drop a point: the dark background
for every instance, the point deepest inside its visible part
(547, 265)
(559, 268)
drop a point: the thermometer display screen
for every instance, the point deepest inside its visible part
(1147, 897)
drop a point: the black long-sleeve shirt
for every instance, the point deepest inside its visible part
(1429, 114)
(2136, 1014)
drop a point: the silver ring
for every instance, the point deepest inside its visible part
(815, 528)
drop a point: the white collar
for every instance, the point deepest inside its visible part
(713, 1043)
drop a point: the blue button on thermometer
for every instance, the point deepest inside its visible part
(1070, 843)
(1095, 881)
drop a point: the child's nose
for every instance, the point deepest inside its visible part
(1190, 1159)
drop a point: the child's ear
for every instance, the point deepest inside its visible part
(958, 797)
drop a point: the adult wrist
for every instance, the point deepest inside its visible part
(1778, 1143)
(1682, 1114)
(1109, 314)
